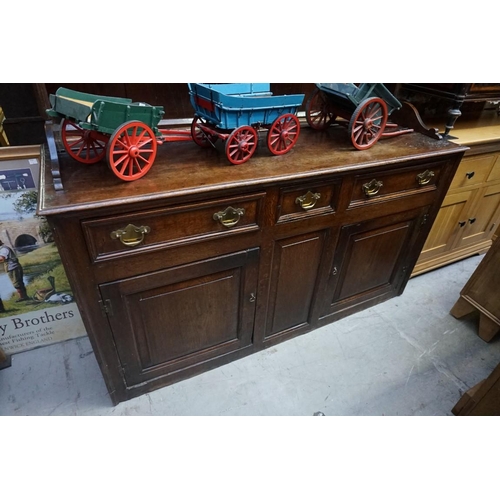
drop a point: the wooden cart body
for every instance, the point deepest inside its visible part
(232, 105)
(365, 110)
(234, 112)
(100, 113)
(126, 133)
(347, 96)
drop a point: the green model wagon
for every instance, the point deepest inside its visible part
(126, 133)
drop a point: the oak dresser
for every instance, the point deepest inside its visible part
(200, 263)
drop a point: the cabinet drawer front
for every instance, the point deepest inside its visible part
(307, 201)
(179, 225)
(377, 187)
(472, 171)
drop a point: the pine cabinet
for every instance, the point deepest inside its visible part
(470, 213)
(200, 263)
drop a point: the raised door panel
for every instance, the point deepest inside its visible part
(482, 218)
(451, 218)
(372, 261)
(293, 282)
(495, 171)
(166, 321)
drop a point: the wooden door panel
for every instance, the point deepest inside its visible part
(482, 218)
(168, 320)
(294, 274)
(194, 318)
(447, 226)
(495, 171)
(371, 260)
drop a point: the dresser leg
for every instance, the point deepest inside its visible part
(487, 328)
(461, 308)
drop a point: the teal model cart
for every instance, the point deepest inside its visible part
(365, 110)
(234, 112)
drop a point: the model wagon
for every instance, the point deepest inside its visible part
(235, 112)
(365, 109)
(126, 133)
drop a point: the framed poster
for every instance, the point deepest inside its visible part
(37, 306)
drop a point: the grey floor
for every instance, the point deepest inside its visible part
(407, 356)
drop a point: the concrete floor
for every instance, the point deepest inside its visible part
(407, 356)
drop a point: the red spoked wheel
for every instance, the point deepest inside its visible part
(368, 123)
(132, 150)
(241, 144)
(200, 137)
(283, 134)
(85, 146)
(318, 115)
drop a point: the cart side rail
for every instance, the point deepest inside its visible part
(77, 105)
(348, 92)
(107, 116)
(367, 90)
(235, 88)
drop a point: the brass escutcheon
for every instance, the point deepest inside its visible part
(373, 187)
(131, 235)
(308, 200)
(229, 217)
(425, 177)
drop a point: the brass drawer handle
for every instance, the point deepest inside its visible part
(425, 177)
(308, 200)
(132, 235)
(373, 187)
(229, 217)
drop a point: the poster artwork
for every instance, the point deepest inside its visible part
(37, 306)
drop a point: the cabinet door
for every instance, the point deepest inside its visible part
(372, 261)
(293, 281)
(452, 217)
(169, 320)
(482, 218)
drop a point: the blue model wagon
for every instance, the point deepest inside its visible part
(234, 112)
(364, 108)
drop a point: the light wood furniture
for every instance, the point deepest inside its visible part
(3, 137)
(200, 262)
(482, 294)
(483, 399)
(470, 213)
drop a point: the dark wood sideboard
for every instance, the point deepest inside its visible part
(228, 260)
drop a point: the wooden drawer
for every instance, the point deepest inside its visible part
(306, 201)
(387, 186)
(473, 170)
(179, 225)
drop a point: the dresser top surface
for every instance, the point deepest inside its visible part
(184, 169)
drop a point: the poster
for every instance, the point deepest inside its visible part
(39, 308)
